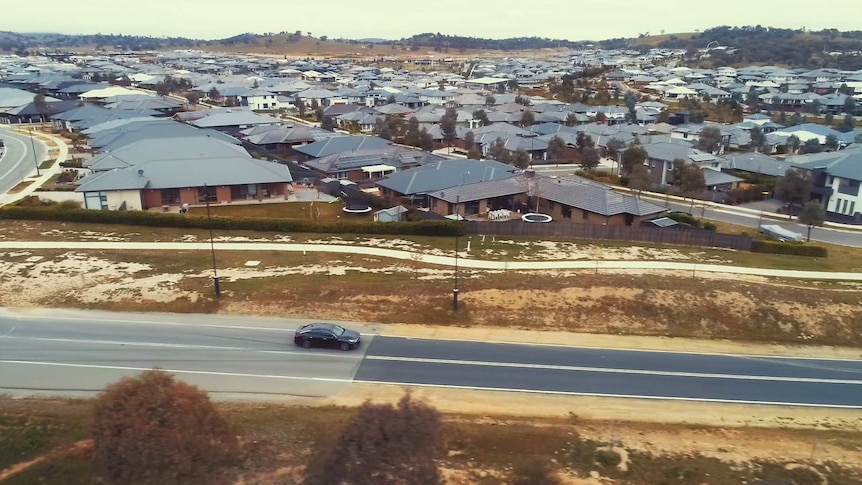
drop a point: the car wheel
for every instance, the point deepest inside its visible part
(345, 346)
(306, 344)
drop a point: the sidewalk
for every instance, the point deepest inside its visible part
(464, 260)
(45, 174)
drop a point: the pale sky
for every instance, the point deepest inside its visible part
(394, 19)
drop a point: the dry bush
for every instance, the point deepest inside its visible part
(152, 429)
(534, 472)
(382, 445)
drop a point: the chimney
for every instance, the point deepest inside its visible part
(140, 172)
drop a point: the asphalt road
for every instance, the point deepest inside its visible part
(78, 353)
(17, 161)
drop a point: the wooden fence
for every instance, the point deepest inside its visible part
(683, 237)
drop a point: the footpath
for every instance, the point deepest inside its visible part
(464, 260)
(44, 174)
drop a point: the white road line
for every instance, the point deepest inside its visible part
(148, 322)
(341, 355)
(607, 370)
(623, 349)
(176, 371)
(439, 386)
(625, 396)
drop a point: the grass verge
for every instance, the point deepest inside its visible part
(20, 187)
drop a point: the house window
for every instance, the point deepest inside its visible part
(96, 200)
(585, 214)
(852, 208)
(265, 105)
(171, 196)
(844, 207)
(341, 175)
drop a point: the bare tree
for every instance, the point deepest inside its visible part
(382, 445)
(151, 429)
(709, 139)
(639, 179)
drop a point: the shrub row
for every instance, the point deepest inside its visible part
(160, 219)
(791, 248)
(692, 221)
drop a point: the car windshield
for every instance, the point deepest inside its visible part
(338, 331)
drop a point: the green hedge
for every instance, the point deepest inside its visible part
(160, 219)
(791, 248)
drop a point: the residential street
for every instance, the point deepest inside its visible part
(17, 162)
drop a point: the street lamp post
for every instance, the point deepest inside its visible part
(33, 145)
(455, 290)
(212, 243)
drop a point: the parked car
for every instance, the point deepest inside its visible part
(326, 335)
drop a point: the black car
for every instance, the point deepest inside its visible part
(326, 335)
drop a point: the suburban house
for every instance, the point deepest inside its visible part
(661, 156)
(338, 144)
(837, 177)
(283, 139)
(232, 120)
(370, 164)
(152, 173)
(258, 100)
(414, 186)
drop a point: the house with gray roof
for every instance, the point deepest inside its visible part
(837, 177)
(154, 174)
(337, 144)
(582, 201)
(370, 164)
(232, 120)
(413, 186)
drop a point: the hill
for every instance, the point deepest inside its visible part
(765, 45)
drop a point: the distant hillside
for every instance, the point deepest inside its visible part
(764, 45)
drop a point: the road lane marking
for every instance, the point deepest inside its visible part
(339, 355)
(387, 335)
(439, 386)
(608, 370)
(176, 371)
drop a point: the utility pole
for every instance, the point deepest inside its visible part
(457, 230)
(33, 145)
(212, 243)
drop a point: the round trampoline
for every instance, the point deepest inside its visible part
(535, 217)
(357, 209)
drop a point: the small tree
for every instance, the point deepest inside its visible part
(847, 124)
(390, 99)
(813, 214)
(794, 187)
(830, 118)
(571, 119)
(469, 141)
(633, 155)
(556, 148)
(151, 429)
(639, 179)
(589, 158)
(300, 106)
(482, 116)
(499, 151)
(214, 94)
(490, 101)
(758, 139)
(449, 125)
(413, 134)
(426, 142)
(382, 445)
(709, 140)
(327, 123)
(850, 105)
(193, 97)
(793, 143)
(831, 142)
(613, 148)
(689, 178)
(521, 159)
(528, 118)
(812, 145)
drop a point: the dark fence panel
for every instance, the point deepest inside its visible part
(614, 233)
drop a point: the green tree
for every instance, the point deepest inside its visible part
(557, 148)
(813, 214)
(582, 140)
(381, 129)
(589, 158)
(571, 119)
(214, 94)
(413, 133)
(499, 151)
(848, 124)
(390, 99)
(689, 178)
(449, 125)
(490, 100)
(521, 159)
(633, 156)
(793, 143)
(482, 116)
(796, 119)
(758, 139)
(151, 429)
(528, 118)
(426, 142)
(469, 141)
(830, 118)
(831, 142)
(639, 179)
(327, 123)
(193, 97)
(382, 445)
(812, 145)
(300, 106)
(613, 147)
(794, 187)
(709, 139)
(850, 105)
